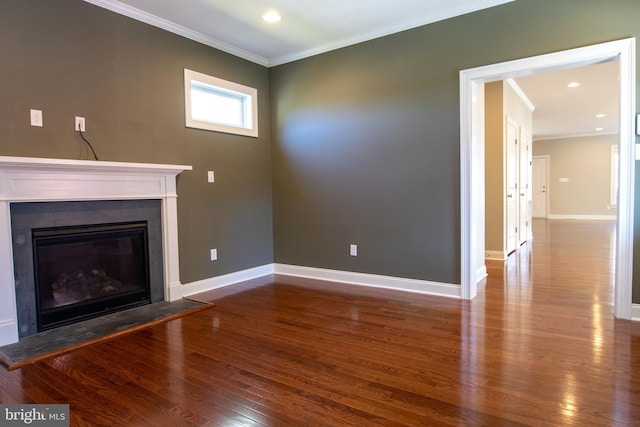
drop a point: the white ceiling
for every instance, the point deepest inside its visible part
(312, 27)
(562, 112)
(308, 27)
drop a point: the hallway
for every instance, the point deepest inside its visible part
(554, 302)
(568, 263)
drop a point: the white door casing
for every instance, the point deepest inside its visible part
(472, 151)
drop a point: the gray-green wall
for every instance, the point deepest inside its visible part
(68, 58)
(366, 138)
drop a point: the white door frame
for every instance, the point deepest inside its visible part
(472, 156)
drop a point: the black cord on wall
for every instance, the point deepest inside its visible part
(88, 143)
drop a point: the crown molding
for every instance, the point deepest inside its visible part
(142, 16)
(518, 90)
(574, 135)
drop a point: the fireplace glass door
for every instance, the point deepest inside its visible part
(88, 271)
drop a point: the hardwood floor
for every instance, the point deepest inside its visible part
(539, 346)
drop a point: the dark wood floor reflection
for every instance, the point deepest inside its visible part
(539, 346)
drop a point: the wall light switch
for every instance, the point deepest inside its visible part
(353, 250)
(210, 176)
(36, 118)
(214, 254)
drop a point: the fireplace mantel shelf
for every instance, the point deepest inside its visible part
(88, 165)
(30, 179)
(38, 179)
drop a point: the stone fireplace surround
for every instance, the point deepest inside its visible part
(24, 179)
(25, 217)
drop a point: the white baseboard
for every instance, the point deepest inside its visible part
(635, 312)
(495, 255)
(224, 280)
(585, 217)
(362, 279)
(371, 280)
(8, 332)
(481, 273)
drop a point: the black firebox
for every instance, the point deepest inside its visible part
(87, 271)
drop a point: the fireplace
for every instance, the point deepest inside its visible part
(43, 187)
(77, 260)
(87, 271)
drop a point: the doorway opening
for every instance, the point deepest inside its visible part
(472, 157)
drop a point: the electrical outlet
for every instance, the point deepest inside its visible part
(214, 254)
(79, 124)
(210, 176)
(353, 250)
(36, 118)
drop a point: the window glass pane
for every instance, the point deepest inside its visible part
(215, 106)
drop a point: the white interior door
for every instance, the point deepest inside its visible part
(511, 211)
(524, 207)
(540, 171)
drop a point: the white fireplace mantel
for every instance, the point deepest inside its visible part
(25, 179)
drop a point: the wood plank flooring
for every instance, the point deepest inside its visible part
(538, 347)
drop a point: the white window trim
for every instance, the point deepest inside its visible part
(250, 93)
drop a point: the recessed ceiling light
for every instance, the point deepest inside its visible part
(599, 129)
(573, 84)
(272, 16)
(601, 115)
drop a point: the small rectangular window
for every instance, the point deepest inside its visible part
(219, 105)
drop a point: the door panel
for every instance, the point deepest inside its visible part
(540, 187)
(511, 186)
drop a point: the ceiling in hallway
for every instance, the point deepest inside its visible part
(561, 111)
